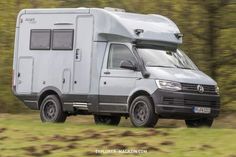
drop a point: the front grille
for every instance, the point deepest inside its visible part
(192, 88)
(187, 102)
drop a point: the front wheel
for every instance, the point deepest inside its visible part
(108, 120)
(51, 110)
(202, 122)
(142, 113)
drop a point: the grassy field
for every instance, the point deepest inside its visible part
(25, 135)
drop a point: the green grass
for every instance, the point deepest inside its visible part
(25, 135)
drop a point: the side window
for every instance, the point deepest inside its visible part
(40, 39)
(118, 53)
(62, 39)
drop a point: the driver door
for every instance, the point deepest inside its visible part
(116, 83)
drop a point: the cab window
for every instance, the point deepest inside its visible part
(118, 53)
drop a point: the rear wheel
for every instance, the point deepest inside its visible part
(142, 113)
(202, 122)
(108, 120)
(51, 110)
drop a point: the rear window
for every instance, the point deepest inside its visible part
(62, 39)
(40, 39)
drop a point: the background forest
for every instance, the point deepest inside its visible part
(209, 28)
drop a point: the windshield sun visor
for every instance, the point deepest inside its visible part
(156, 45)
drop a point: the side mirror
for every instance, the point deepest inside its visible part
(127, 64)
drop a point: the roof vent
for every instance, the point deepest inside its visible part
(114, 9)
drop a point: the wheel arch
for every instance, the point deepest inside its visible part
(48, 91)
(136, 94)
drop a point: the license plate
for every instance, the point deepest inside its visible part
(204, 110)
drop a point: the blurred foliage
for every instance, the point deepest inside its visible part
(209, 28)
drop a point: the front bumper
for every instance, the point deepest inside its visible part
(179, 105)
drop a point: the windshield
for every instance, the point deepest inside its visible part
(165, 58)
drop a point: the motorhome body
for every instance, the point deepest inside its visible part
(101, 62)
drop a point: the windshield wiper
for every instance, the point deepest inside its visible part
(184, 68)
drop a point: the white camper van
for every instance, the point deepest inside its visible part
(108, 63)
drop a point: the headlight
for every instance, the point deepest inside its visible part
(217, 89)
(168, 85)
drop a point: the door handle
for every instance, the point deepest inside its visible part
(64, 80)
(107, 72)
(77, 54)
(18, 75)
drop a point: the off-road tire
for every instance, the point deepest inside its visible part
(51, 110)
(142, 112)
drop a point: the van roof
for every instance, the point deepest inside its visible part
(117, 24)
(150, 27)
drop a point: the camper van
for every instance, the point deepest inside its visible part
(110, 64)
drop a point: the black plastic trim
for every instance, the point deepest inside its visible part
(181, 104)
(109, 103)
(94, 100)
(113, 99)
(29, 100)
